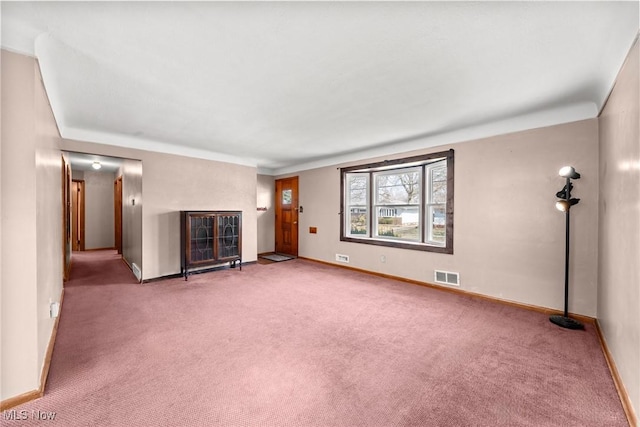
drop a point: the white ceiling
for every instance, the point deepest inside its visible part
(84, 162)
(291, 85)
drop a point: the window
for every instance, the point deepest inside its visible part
(405, 203)
(286, 197)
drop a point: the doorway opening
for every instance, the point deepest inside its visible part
(77, 215)
(105, 198)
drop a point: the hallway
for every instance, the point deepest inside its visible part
(97, 268)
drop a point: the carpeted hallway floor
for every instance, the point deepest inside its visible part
(298, 343)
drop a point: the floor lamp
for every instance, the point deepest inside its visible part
(564, 205)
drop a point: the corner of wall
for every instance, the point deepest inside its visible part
(619, 225)
(19, 351)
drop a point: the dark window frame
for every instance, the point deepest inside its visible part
(400, 164)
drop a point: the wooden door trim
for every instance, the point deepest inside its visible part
(66, 212)
(81, 212)
(117, 214)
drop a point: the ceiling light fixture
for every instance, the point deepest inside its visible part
(96, 165)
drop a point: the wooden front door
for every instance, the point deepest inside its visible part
(287, 216)
(117, 213)
(77, 217)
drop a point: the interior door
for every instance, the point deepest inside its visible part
(117, 213)
(287, 216)
(77, 217)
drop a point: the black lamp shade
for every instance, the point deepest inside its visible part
(562, 194)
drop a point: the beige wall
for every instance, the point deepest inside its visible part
(509, 238)
(19, 350)
(49, 222)
(2, 318)
(32, 237)
(172, 183)
(266, 219)
(132, 206)
(619, 242)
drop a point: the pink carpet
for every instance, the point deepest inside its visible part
(302, 344)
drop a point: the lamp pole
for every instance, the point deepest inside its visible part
(565, 321)
(566, 254)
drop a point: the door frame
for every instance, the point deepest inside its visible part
(66, 219)
(117, 213)
(280, 216)
(78, 225)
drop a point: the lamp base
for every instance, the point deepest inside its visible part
(566, 322)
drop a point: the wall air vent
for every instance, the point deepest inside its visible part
(136, 271)
(447, 277)
(342, 258)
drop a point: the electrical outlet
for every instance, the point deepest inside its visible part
(342, 258)
(54, 309)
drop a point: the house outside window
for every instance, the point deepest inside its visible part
(405, 203)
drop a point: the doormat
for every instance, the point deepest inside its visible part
(277, 257)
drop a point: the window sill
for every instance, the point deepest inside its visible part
(398, 244)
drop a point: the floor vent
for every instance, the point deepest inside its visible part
(447, 277)
(342, 258)
(136, 271)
